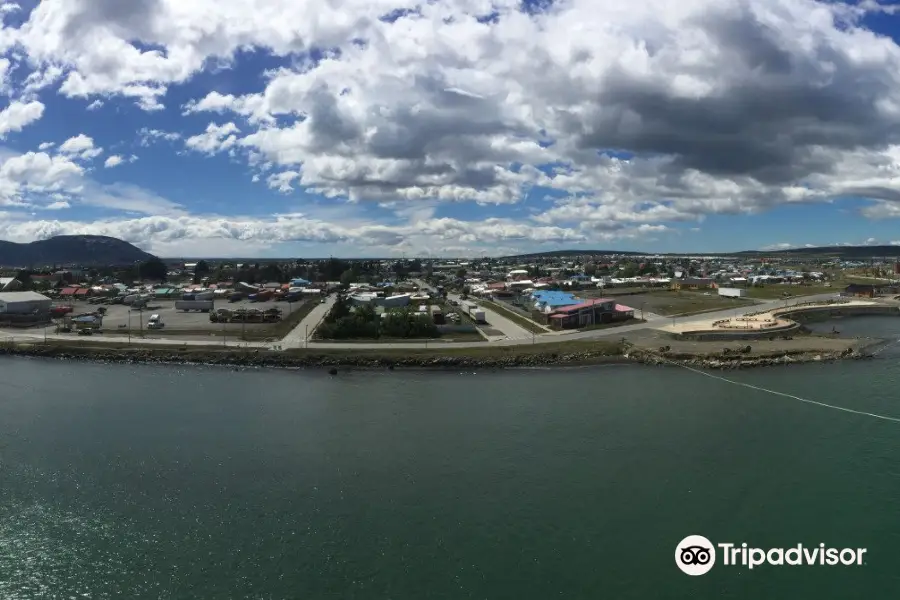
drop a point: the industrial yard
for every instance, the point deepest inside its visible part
(125, 320)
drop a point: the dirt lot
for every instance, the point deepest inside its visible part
(651, 340)
(177, 323)
(670, 303)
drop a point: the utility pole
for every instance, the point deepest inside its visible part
(224, 333)
(129, 327)
(141, 315)
(306, 339)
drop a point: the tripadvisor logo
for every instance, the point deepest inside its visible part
(696, 555)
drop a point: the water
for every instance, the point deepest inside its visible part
(161, 482)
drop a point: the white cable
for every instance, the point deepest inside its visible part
(798, 398)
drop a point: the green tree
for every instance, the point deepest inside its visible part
(347, 277)
(271, 272)
(24, 278)
(201, 270)
(153, 269)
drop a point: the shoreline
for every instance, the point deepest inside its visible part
(564, 355)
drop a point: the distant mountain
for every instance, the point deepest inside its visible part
(847, 252)
(564, 253)
(71, 250)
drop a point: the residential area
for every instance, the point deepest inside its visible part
(463, 300)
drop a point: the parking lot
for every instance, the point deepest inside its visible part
(120, 318)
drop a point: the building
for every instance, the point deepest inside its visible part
(859, 290)
(693, 283)
(10, 284)
(548, 301)
(590, 312)
(25, 303)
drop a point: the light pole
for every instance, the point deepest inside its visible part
(306, 338)
(224, 333)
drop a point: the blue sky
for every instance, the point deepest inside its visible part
(389, 128)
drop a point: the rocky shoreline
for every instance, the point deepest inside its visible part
(262, 358)
(727, 362)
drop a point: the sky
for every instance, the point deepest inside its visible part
(308, 128)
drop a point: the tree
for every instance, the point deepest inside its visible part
(347, 277)
(271, 272)
(153, 269)
(460, 273)
(24, 278)
(201, 270)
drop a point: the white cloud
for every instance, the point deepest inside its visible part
(781, 246)
(96, 104)
(113, 161)
(216, 138)
(46, 146)
(81, 146)
(37, 173)
(58, 205)
(147, 136)
(158, 231)
(637, 115)
(18, 115)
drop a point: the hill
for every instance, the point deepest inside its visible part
(846, 252)
(566, 253)
(71, 250)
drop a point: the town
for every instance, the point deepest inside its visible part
(515, 300)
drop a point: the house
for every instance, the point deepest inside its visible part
(10, 284)
(859, 290)
(693, 283)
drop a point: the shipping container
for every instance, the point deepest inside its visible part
(201, 305)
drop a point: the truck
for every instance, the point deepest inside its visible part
(59, 311)
(732, 292)
(201, 305)
(155, 322)
(477, 314)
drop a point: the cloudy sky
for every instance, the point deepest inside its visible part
(450, 127)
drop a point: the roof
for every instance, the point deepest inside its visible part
(6, 280)
(587, 304)
(860, 287)
(22, 297)
(623, 308)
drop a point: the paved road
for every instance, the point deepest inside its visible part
(509, 329)
(300, 334)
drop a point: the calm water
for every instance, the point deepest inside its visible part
(161, 482)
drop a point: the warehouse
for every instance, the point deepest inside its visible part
(24, 303)
(24, 308)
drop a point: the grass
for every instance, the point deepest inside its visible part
(603, 347)
(523, 322)
(678, 303)
(774, 292)
(612, 325)
(450, 337)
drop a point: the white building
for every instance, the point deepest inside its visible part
(24, 303)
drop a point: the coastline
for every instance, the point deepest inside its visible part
(567, 354)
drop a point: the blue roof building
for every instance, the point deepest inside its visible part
(548, 301)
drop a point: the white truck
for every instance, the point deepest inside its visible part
(732, 292)
(201, 305)
(477, 314)
(155, 322)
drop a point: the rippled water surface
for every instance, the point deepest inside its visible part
(164, 482)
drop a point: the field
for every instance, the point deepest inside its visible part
(122, 320)
(677, 303)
